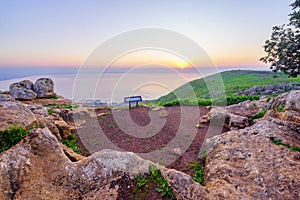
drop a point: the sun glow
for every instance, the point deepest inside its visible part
(183, 64)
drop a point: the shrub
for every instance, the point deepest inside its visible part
(10, 137)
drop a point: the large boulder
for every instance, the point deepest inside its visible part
(293, 101)
(37, 168)
(44, 87)
(246, 164)
(25, 172)
(44, 119)
(220, 115)
(247, 108)
(22, 90)
(14, 113)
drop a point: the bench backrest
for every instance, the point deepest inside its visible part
(132, 99)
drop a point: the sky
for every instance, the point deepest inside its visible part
(63, 33)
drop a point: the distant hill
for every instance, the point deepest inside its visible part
(234, 81)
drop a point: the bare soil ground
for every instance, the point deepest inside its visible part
(158, 128)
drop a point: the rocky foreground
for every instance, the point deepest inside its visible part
(243, 163)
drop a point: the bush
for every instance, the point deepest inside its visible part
(10, 137)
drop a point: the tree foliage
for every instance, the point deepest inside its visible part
(283, 49)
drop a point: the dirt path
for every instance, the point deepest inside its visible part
(148, 132)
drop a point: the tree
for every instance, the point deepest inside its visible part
(283, 49)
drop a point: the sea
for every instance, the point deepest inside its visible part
(110, 87)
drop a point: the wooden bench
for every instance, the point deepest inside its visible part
(135, 99)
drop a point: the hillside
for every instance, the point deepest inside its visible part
(234, 81)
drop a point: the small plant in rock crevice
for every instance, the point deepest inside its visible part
(279, 142)
(259, 115)
(11, 136)
(198, 171)
(71, 142)
(164, 189)
(50, 111)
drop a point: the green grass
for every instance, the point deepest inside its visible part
(259, 115)
(50, 111)
(112, 125)
(164, 189)
(198, 171)
(71, 142)
(234, 81)
(11, 136)
(279, 142)
(281, 109)
(66, 106)
(229, 100)
(55, 96)
(154, 181)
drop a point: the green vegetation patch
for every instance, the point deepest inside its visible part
(55, 96)
(259, 115)
(279, 142)
(198, 170)
(71, 142)
(11, 136)
(234, 81)
(65, 106)
(229, 100)
(156, 181)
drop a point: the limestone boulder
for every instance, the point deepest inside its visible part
(22, 90)
(15, 113)
(220, 115)
(38, 168)
(247, 108)
(246, 164)
(44, 119)
(293, 101)
(44, 87)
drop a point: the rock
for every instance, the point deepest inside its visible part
(65, 129)
(246, 164)
(270, 89)
(44, 87)
(231, 121)
(15, 113)
(44, 119)
(6, 97)
(59, 101)
(184, 188)
(37, 168)
(247, 108)
(158, 108)
(22, 90)
(163, 113)
(237, 122)
(73, 156)
(278, 102)
(293, 101)
(177, 151)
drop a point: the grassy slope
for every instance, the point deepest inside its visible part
(234, 81)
